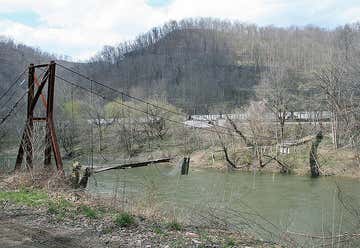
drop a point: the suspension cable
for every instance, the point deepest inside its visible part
(7, 102)
(91, 126)
(118, 91)
(14, 93)
(133, 97)
(12, 109)
(13, 84)
(229, 130)
(134, 108)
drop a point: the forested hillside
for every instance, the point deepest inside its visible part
(212, 64)
(204, 65)
(14, 58)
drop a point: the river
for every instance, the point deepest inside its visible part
(280, 202)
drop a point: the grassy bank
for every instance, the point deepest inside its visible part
(341, 162)
(74, 214)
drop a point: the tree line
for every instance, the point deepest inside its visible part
(207, 65)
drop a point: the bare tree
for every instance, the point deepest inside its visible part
(278, 89)
(339, 83)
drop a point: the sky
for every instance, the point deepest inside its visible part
(81, 28)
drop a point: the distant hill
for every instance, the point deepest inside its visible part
(14, 58)
(201, 65)
(192, 68)
(207, 64)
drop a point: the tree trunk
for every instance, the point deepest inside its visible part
(314, 165)
(282, 129)
(231, 163)
(334, 129)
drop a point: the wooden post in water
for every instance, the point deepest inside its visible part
(185, 166)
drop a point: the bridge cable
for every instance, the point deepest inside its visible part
(120, 92)
(134, 108)
(6, 103)
(135, 98)
(91, 127)
(14, 93)
(13, 84)
(230, 131)
(12, 109)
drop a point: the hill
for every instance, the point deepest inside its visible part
(200, 65)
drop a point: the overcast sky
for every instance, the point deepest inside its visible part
(80, 28)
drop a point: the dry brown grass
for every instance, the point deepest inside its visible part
(41, 179)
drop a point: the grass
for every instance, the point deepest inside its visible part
(174, 225)
(89, 212)
(158, 230)
(60, 208)
(53, 209)
(204, 236)
(230, 242)
(124, 219)
(26, 197)
(59, 205)
(36, 198)
(178, 243)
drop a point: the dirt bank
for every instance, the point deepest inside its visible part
(26, 227)
(33, 218)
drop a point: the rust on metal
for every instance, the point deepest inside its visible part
(51, 139)
(26, 141)
(50, 134)
(37, 84)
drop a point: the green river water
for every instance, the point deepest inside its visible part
(278, 202)
(241, 200)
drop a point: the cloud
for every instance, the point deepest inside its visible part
(80, 28)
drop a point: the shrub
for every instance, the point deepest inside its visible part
(158, 230)
(59, 207)
(53, 209)
(174, 225)
(88, 211)
(124, 220)
(230, 242)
